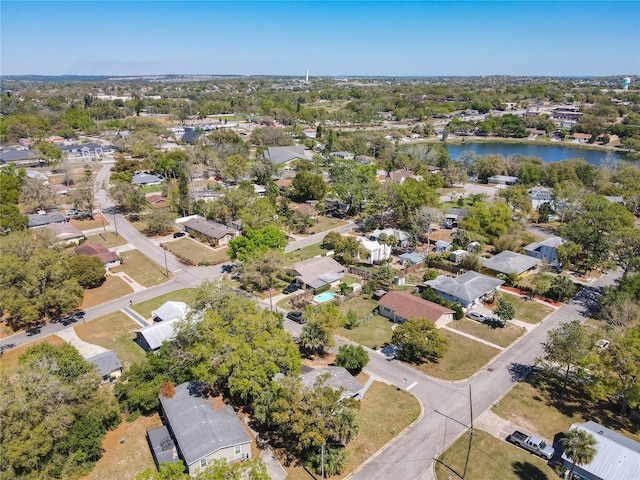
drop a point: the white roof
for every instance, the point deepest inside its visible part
(617, 457)
(508, 262)
(468, 287)
(170, 311)
(157, 333)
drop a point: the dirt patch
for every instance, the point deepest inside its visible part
(319, 361)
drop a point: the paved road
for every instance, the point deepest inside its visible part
(446, 404)
(318, 237)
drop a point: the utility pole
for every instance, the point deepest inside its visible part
(322, 460)
(166, 267)
(466, 462)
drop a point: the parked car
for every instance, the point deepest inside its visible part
(535, 445)
(73, 213)
(296, 317)
(292, 287)
(178, 234)
(477, 316)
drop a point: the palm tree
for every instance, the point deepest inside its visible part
(579, 447)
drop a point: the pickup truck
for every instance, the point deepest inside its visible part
(534, 444)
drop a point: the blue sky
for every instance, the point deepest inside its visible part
(329, 38)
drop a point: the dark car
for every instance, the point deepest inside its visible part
(290, 288)
(296, 317)
(178, 234)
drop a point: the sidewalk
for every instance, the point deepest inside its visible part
(136, 287)
(464, 334)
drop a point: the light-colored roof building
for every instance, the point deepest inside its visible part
(338, 378)
(279, 155)
(377, 252)
(146, 179)
(467, 289)
(503, 180)
(617, 457)
(509, 262)
(170, 311)
(545, 250)
(401, 236)
(65, 232)
(108, 364)
(201, 429)
(318, 272)
(151, 337)
(41, 219)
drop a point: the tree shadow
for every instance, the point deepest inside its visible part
(519, 371)
(528, 471)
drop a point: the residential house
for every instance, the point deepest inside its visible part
(433, 169)
(401, 236)
(197, 430)
(502, 180)
(614, 199)
(38, 220)
(454, 216)
(191, 135)
(108, 258)
(399, 176)
(284, 155)
(467, 289)
(539, 195)
(108, 364)
(146, 179)
(365, 159)
(215, 233)
(259, 190)
(376, 252)
(310, 132)
(338, 378)
(457, 255)
(509, 263)
(399, 306)
(343, 155)
(86, 151)
(581, 137)
(442, 246)
(65, 232)
(411, 258)
(617, 457)
(22, 157)
(318, 272)
(545, 250)
(151, 337)
(170, 311)
(157, 200)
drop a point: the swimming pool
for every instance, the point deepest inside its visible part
(324, 297)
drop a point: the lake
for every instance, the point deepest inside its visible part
(549, 153)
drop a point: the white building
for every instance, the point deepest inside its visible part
(377, 252)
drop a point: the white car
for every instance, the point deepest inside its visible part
(477, 316)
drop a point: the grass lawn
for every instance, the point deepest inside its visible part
(362, 305)
(112, 288)
(125, 460)
(9, 359)
(503, 336)
(349, 279)
(326, 223)
(145, 308)
(304, 253)
(464, 357)
(492, 458)
(112, 240)
(195, 251)
(144, 271)
(88, 224)
(114, 332)
(528, 311)
(377, 427)
(537, 403)
(375, 331)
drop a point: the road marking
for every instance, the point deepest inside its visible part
(411, 386)
(178, 270)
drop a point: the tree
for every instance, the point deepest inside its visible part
(425, 217)
(408, 197)
(562, 288)
(235, 167)
(504, 310)
(88, 271)
(11, 220)
(261, 272)
(159, 222)
(353, 358)
(580, 448)
(566, 345)
(313, 337)
(37, 194)
(256, 242)
(418, 340)
(83, 196)
(308, 186)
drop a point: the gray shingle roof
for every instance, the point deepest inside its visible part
(319, 271)
(278, 155)
(553, 242)
(508, 262)
(107, 362)
(468, 287)
(17, 155)
(210, 229)
(145, 178)
(40, 220)
(339, 377)
(200, 428)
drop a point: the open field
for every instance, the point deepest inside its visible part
(108, 240)
(145, 308)
(540, 404)
(304, 253)
(9, 359)
(141, 269)
(112, 288)
(88, 224)
(196, 252)
(377, 427)
(502, 336)
(527, 310)
(326, 223)
(372, 332)
(114, 332)
(491, 458)
(464, 357)
(362, 305)
(125, 460)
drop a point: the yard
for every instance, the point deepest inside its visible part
(304, 253)
(112, 288)
(326, 223)
(464, 357)
(125, 460)
(196, 252)
(377, 427)
(89, 224)
(362, 305)
(9, 359)
(492, 458)
(371, 332)
(502, 336)
(529, 311)
(141, 269)
(114, 332)
(540, 404)
(108, 240)
(145, 308)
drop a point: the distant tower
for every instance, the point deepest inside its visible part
(626, 81)
(306, 80)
